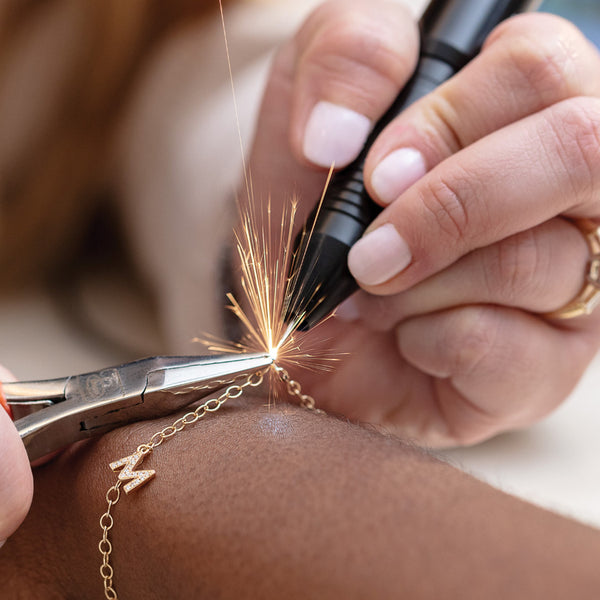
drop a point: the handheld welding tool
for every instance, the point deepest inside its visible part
(452, 33)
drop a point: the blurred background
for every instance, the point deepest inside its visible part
(72, 298)
(584, 13)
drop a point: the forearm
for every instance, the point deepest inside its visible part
(282, 503)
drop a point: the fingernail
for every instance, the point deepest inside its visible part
(396, 173)
(3, 403)
(347, 311)
(334, 135)
(379, 255)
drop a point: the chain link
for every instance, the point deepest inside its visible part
(212, 405)
(105, 546)
(114, 493)
(294, 389)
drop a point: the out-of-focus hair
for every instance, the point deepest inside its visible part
(48, 194)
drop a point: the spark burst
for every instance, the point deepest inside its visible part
(264, 259)
(267, 268)
(267, 273)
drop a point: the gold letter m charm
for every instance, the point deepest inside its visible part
(127, 465)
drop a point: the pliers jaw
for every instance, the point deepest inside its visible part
(55, 413)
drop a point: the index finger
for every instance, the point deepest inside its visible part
(528, 63)
(507, 182)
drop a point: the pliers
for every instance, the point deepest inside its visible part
(54, 413)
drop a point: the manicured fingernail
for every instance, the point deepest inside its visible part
(379, 255)
(347, 311)
(334, 134)
(396, 173)
(3, 403)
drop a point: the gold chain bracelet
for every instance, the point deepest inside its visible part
(136, 479)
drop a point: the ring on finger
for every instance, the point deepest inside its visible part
(588, 297)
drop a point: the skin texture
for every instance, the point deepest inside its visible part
(277, 502)
(454, 348)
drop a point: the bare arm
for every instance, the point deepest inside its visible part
(282, 503)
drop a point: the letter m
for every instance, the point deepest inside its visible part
(127, 466)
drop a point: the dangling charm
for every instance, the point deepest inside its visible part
(127, 465)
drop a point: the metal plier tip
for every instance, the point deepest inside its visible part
(54, 413)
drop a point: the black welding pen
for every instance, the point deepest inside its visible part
(452, 33)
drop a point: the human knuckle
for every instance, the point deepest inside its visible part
(516, 267)
(350, 52)
(448, 203)
(469, 339)
(575, 125)
(440, 115)
(547, 53)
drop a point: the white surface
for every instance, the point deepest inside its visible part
(554, 464)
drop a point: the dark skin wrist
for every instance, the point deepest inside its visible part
(282, 503)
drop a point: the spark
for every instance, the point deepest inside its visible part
(267, 264)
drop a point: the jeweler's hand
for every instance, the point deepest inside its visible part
(473, 248)
(16, 482)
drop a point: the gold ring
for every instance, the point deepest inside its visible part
(589, 296)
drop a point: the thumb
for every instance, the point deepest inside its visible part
(327, 86)
(16, 481)
(352, 58)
